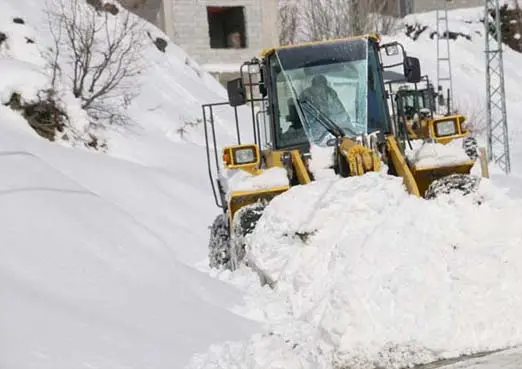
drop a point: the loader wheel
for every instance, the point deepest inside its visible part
(470, 146)
(219, 244)
(244, 222)
(463, 183)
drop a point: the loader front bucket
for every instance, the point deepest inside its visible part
(238, 199)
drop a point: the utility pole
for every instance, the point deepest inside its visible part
(497, 127)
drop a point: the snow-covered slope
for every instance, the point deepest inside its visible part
(99, 250)
(90, 275)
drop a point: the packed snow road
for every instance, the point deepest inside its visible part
(504, 359)
(368, 276)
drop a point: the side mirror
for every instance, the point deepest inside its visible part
(391, 50)
(412, 69)
(236, 92)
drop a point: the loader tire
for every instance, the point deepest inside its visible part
(244, 223)
(463, 183)
(470, 146)
(219, 244)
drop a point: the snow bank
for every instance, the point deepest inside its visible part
(98, 266)
(429, 154)
(97, 262)
(378, 277)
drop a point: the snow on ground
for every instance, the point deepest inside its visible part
(235, 180)
(387, 281)
(171, 86)
(393, 270)
(429, 154)
(100, 251)
(96, 267)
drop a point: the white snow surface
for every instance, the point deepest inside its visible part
(321, 161)
(100, 250)
(429, 154)
(104, 254)
(392, 270)
(240, 180)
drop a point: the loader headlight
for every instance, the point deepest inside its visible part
(240, 156)
(445, 128)
(245, 156)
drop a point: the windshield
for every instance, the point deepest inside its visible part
(412, 101)
(328, 82)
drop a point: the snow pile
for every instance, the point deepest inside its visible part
(430, 154)
(370, 275)
(240, 180)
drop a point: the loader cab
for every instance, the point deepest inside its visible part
(310, 84)
(413, 98)
(410, 101)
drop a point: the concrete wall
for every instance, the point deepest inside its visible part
(185, 22)
(189, 29)
(150, 10)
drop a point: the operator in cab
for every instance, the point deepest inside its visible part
(325, 98)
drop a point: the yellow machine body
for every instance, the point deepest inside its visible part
(353, 156)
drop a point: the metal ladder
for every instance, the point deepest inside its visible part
(443, 53)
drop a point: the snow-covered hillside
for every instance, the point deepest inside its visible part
(103, 254)
(99, 250)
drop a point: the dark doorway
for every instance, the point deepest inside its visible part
(226, 26)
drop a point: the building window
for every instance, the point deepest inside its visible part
(226, 25)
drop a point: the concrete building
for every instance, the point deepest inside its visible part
(218, 34)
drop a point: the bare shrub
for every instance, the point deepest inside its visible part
(97, 56)
(326, 19)
(289, 22)
(43, 115)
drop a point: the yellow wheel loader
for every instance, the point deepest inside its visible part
(415, 106)
(329, 95)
